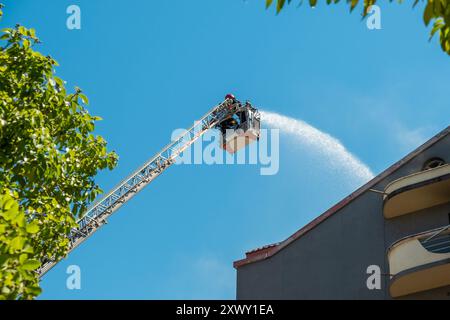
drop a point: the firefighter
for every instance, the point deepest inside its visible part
(229, 123)
(231, 97)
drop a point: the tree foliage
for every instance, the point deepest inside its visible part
(17, 256)
(48, 158)
(436, 11)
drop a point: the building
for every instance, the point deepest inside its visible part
(389, 239)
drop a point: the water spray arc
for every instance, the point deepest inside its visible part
(331, 149)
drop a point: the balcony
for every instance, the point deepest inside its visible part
(420, 262)
(418, 191)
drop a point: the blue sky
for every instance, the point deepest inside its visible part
(149, 67)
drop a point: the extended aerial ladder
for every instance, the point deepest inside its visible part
(239, 125)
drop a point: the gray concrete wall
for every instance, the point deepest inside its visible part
(330, 261)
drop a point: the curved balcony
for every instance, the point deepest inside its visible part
(420, 262)
(418, 191)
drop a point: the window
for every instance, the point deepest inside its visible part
(433, 163)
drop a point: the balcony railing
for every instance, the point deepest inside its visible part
(420, 262)
(418, 191)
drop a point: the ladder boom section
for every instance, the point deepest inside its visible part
(96, 216)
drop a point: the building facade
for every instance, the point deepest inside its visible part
(390, 239)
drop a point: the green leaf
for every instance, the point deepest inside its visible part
(26, 43)
(428, 13)
(8, 204)
(280, 5)
(64, 243)
(31, 264)
(32, 33)
(84, 98)
(22, 30)
(3, 259)
(28, 249)
(353, 4)
(34, 291)
(23, 257)
(10, 214)
(17, 243)
(33, 227)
